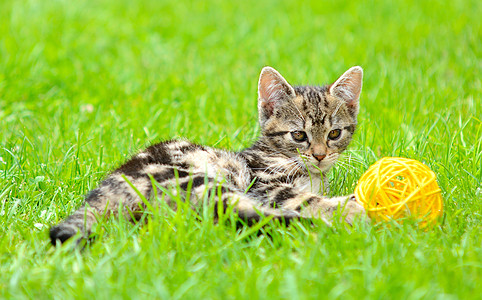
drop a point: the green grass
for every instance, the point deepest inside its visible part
(84, 84)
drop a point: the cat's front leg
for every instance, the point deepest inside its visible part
(309, 205)
(347, 206)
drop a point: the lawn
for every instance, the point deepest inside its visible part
(85, 84)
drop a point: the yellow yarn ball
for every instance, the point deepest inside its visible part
(397, 188)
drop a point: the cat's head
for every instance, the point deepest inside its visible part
(310, 124)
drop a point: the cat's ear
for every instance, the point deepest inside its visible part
(348, 87)
(273, 90)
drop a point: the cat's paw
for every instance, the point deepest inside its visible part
(352, 210)
(346, 207)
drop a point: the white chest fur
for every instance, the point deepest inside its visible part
(317, 184)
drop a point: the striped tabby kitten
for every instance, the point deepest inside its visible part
(304, 130)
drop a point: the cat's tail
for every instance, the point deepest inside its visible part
(80, 222)
(100, 203)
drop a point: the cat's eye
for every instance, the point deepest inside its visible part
(299, 136)
(334, 134)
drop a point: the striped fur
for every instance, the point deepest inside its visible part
(304, 129)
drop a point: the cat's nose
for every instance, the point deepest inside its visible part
(319, 157)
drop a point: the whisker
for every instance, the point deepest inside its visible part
(279, 166)
(300, 113)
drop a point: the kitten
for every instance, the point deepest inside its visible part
(304, 130)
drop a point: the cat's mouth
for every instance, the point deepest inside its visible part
(316, 166)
